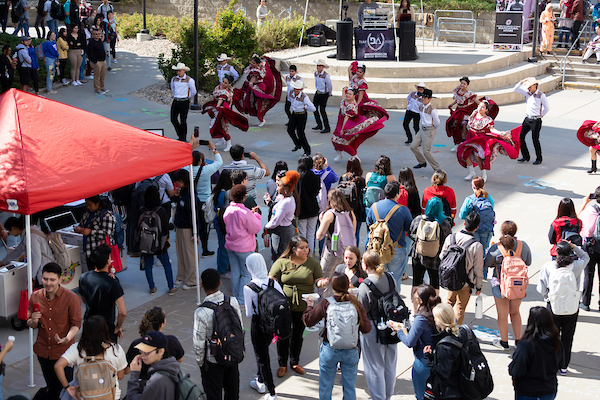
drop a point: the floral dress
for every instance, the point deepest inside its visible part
(465, 104)
(357, 129)
(265, 92)
(221, 117)
(589, 134)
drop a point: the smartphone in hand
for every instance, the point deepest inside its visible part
(196, 131)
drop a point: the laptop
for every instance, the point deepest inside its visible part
(60, 221)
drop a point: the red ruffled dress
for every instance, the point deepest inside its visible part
(589, 135)
(486, 145)
(358, 128)
(221, 117)
(465, 104)
(265, 93)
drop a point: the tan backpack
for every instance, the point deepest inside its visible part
(97, 379)
(380, 240)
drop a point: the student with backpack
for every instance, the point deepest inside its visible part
(458, 368)
(507, 305)
(388, 223)
(94, 355)
(337, 227)
(425, 249)
(419, 335)
(153, 238)
(566, 226)
(537, 359)
(352, 184)
(218, 316)
(257, 294)
(439, 189)
(590, 232)
(461, 266)
(376, 181)
(379, 359)
(345, 317)
(559, 284)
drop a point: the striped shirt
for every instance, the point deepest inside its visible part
(253, 172)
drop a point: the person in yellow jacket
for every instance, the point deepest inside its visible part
(63, 54)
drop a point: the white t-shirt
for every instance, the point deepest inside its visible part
(47, 6)
(115, 355)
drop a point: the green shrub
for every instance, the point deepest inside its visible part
(159, 25)
(277, 34)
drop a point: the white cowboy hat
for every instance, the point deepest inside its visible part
(223, 57)
(530, 82)
(299, 84)
(180, 66)
(422, 84)
(322, 62)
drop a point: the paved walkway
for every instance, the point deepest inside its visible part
(524, 193)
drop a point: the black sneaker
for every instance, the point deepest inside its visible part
(207, 253)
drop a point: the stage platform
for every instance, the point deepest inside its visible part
(491, 73)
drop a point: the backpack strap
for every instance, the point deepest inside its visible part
(331, 300)
(255, 288)
(392, 211)
(373, 288)
(374, 208)
(453, 239)
(391, 281)
(519, 248)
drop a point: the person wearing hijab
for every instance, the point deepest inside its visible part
(260, 342)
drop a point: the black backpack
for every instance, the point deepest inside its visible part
(226, 342)
(185, 388)
(57, 11)
(476, 381)
(18, 9)
(348, 188)
(275, 316)
(149, 233)
(453, 269)
(390, 306)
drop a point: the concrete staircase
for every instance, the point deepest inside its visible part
(577, 75)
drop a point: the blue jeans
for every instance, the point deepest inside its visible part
(23, 24)
(420, 373)
(547, 397)
(50, 71)
(240, 276)
(484, 238)
(164, 259)
(566, 32)
(222, 256)
(397, 266)
(328, 361)
(82, 68)
(53, 25)
(358, 225)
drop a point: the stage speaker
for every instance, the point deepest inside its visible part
(406, 36)
(344, 38)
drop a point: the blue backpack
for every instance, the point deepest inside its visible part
(483, 206)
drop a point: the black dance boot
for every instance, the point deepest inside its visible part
(593, 169)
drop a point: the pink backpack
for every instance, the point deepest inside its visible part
(513, 279)
(343, 233)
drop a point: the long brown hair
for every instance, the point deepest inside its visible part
(429, 299)
(478, 183)
(294, 243)
(357, 269)
(337, 201)
(439, 178)
(566, 208)
(340, 283)
(383, 166)
(508, 230)
(353, 166)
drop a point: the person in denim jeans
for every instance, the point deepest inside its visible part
(419, 335)
(330, 357)
(51, 55)
(242, 224)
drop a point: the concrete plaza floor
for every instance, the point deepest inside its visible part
(524, 193)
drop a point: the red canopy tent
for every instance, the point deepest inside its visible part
(52, 153)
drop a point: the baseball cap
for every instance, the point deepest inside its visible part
(151, 341)
(25, 38)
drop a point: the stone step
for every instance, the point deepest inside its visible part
(581, 85)
(585, 72)
(479, 82)
(581, 78)
(502, 95)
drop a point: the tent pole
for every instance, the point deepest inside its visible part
(423, 27)
(341, 10)
(30, 291)
(302, 32)
(195, 232)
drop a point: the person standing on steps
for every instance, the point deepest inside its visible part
(324, 91)
(183, 88)
(429, 123)
(537, 108)
(412, 111)
(299, 107)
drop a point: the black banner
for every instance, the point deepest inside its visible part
(375, 44)
(508, 34)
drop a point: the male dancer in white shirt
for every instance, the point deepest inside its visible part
(537, 107)
(183, 88)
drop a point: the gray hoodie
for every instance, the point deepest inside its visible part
(159, 386)
(23, 54)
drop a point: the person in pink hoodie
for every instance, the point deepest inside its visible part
(242, 224)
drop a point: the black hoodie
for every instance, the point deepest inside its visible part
(534, 367)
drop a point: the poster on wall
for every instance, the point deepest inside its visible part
(508, 34)
(375, 44)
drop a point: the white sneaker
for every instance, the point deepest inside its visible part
(178, 282)
(221, 142)
(454, 148)
(339, 157)
(262, 123)
(228, 146)
(269, 397)
(188, 287)
(258, 386)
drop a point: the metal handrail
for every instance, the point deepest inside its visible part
(435, 14)
(563, 62)
(453, 32)
(288, 11)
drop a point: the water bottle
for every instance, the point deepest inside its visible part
(479, 307)
(334, 242)
(382, 326)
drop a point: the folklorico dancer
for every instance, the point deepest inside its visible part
(299, 107)
(412, 111)
(291, 77)
(429, 123)
(589, 134)
(537, 107)
(221, 114)
(324, 90)
(183, 88)
(466, 102)
(225, 69)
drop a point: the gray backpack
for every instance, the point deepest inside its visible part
(60, 255)
(342, 324)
